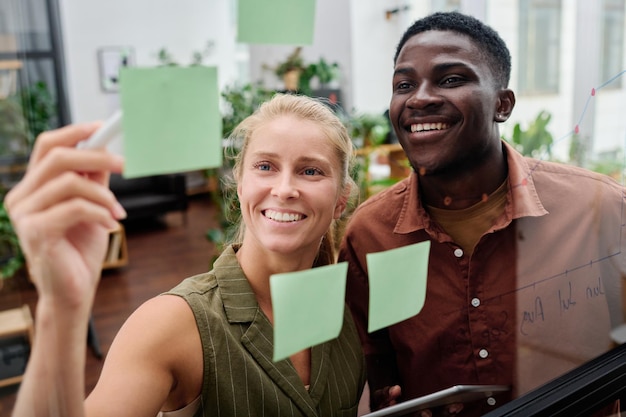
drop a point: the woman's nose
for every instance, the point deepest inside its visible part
(285, 187)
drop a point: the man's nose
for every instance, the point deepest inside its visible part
(424, 96)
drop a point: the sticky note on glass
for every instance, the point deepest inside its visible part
(284, 22)
(308, 307)
(397, 281)
(172, 122)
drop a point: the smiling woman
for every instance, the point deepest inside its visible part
(289, 199)
(291, 178)
(321, 158)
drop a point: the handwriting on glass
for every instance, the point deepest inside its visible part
(566, 300)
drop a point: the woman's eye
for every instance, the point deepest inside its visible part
(261, 166)
(312, 171)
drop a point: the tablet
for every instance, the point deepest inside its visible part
(455, 394)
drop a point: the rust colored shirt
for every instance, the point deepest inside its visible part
(537, 297)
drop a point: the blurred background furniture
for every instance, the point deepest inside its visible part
(16, 337)
(150, 197)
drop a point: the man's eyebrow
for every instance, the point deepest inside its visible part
(445, 66)
(403, 71)
(442, 67)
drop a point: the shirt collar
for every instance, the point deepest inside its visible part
(239, 300)
(522, 198)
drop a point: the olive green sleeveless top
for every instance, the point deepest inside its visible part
(240, 377)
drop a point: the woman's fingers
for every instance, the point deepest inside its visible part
(67, 136)
(54, 223)
(66, 186)
(64, 247)
(95, 165)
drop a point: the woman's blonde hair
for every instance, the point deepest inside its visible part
(305, 108)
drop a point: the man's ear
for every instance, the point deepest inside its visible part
(504, 105)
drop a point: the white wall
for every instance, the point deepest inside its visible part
(375, 40)
(354, 33)
(357, 35)
(181, 26)
(332, 41)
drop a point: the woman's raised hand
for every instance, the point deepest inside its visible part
(62, 211)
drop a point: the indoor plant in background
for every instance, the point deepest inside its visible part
(322, 71)
(39, 109)
(239, 101)
(326, 72)
(14, 134)
(11, 256)
(291, 69)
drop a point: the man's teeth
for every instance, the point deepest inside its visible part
(282, 217)
(420, 127)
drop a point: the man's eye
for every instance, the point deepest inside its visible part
(403, 86)
(452, 80)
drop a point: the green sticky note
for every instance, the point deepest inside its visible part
(171, 120)
(284, 22)
(308, 307)
(397, 281)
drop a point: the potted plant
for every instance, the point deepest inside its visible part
(291, 69)
(14, 133)
(240, 102)
(326, 72)
(11, 256)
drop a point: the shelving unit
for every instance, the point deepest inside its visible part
(117, 253)
(16, 323)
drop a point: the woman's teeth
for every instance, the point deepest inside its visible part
(282, 217)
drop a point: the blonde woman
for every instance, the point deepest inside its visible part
(204, 348)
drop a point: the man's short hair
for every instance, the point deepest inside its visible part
(487, 39)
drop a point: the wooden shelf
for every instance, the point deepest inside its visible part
(14, 323)
(12, 64)
(387, 154)
(117, 252)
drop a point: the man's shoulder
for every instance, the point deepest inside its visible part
(383, 200)
(548, 173)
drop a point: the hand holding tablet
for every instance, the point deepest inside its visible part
(452, 395)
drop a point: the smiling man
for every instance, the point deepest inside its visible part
(516, 243)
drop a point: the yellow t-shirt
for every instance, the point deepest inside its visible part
(466, 226)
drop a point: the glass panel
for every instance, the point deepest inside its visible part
(29, 100)
(27, 22)
(540, 27)
(445, 5)
(612, 41)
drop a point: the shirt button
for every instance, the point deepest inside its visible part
(475, 302)
(483, 353)
(458, 252)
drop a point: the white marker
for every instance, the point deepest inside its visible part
(101, 137)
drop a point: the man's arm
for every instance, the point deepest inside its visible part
(380, 357)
